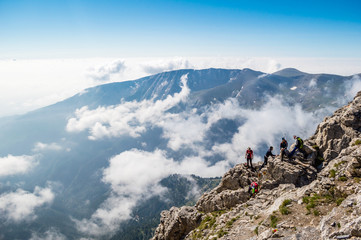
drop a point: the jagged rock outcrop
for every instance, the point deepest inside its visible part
(336, 132)
(177, 223)
(232, 190)
(295, 202)
(292, 171)
(235, 178)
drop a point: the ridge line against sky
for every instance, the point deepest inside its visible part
(26, 85)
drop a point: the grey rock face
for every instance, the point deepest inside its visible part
(177, 223)
(227, 199)
(348, 217)
(292, 171)
(336, 132)
(232, 190)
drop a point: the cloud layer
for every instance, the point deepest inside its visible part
(51, 234)
(128, 118)
(12, 165)
(39, 146)
(21, 205)
(104, 72)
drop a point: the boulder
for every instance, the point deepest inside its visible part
(227, 199)
(176, 223)
(288, 172)
(237, 177)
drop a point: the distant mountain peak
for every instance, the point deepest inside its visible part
(289, 72)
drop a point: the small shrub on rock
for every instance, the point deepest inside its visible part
(256, 230)
(316, 212)
(284, 210)
(339, 201)
(274, 221)
(221, 233)
(230, 222)
(343, 178)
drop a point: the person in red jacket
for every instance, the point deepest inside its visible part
(249, 157)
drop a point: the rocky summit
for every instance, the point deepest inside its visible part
(311, 196)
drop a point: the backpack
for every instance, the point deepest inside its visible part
(284, 144)
(254, 187)
(300, 142)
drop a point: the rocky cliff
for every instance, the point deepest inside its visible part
(318, 197)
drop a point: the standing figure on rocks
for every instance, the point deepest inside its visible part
(269, 153)
(299, 147)
(283, 148)
(249, 157)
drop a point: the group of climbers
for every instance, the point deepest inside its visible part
(253, 188)
(283, 151)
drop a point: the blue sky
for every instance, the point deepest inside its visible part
(159, 28)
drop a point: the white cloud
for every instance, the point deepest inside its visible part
(162, 65)
(105, 72)
(273, 120)
(353, 87)
(128, 118)
(39, 146)
(267, 65)
(12, 165)
(313, 83)
(133, 118)
(134, 175)
(188, 128)
(51, 234)
(21, 205)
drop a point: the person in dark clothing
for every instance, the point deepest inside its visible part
(249, 157)
(283, 148)
(283, 144)
(269, 153)
(299, 147)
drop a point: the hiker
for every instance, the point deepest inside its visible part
(249, 157)
(269, 153)
(299, 147)
(283, 148)
(253, 189)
